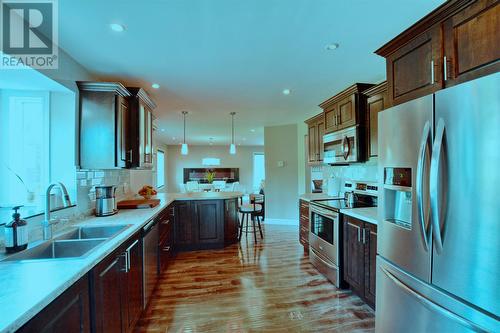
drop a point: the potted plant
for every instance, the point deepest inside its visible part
(210, 175)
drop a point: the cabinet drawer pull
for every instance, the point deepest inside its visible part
(166, 249)
(166, 222)
(445, 68)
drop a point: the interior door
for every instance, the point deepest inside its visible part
(401, 235)
(466, 262)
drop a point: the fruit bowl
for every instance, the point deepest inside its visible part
(147, 192)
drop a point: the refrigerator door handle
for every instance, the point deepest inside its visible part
(422, 159)
(430, 304)
(435, 186)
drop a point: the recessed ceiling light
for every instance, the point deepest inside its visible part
(117, 27)
(252, 130)
(244, 139)
(155, 86)
(163, 130)
(286, 91)
(173, 138)
(332, 46)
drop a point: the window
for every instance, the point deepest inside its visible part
(160, 169)
(37, 145)
(259, 170)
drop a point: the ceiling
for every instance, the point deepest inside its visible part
(215, 57)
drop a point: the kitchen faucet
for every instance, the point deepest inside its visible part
(48, 222)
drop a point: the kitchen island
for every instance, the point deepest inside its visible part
(31, 289)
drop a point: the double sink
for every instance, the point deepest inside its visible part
(72, 244)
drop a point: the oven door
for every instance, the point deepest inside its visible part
(324, 233)
(341, 147)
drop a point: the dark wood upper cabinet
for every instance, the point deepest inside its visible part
(67, 313)
(104, 131)
(315, 132)
(141, 128)
(376, 102)
(345, 109)
(472, 42)
(457, 42)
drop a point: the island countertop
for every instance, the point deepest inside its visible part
(29, 286)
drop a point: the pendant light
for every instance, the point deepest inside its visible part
(184, 147)
(232, 147)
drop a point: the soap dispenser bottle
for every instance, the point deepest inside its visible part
(16, 233)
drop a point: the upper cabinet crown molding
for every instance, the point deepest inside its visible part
(113, 87)
(436, 16)
(143, 96)
(354, 89)
(379, 88)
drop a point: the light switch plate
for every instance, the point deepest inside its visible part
(281, 164)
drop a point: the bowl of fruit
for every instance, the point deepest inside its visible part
(147, 192)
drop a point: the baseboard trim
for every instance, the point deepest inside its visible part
(281, 221)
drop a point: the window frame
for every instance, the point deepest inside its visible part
(158, 152)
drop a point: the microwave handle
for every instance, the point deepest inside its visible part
(346, 148)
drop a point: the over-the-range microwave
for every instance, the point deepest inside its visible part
(345, 146)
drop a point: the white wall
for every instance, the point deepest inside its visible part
(281, 145)
(177, 162)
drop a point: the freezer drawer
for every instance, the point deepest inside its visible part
(406, 304)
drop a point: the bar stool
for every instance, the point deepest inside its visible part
(250, 211)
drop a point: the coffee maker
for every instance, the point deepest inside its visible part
(105, 203)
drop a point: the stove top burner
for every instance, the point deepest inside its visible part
(338, 204)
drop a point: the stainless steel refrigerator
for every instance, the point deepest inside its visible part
(438, 255)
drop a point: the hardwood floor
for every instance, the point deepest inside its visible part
(265, 287)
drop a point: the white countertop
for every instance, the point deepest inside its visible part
(316, 196)
(28, 287)
(367, 214)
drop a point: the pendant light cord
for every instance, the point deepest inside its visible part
(232, 126)
(184, 113)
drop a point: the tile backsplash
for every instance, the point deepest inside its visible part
(367, 171)
(88, 179)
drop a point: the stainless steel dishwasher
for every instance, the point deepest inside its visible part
(150, 259)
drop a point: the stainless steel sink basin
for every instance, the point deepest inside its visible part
(57, 249)
(93, 232)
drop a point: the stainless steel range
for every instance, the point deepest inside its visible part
(325, 240)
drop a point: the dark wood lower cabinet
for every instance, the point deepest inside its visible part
(201, 224)
(231, 223)
(360, 252)
(116, 289)
(67, 313)
(304, 224)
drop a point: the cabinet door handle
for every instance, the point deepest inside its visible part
(126, 268)
(445, 68)
(166, 249)
(432, 71)
(364, 236)
(166, 222)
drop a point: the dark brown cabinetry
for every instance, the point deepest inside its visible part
(67, 313)
(166, 239)
(231, 223)
(360, 250)
(376, 102)
(104, 130)
(141, 128)
(315, 132)
(457, 42)
(116, 289)
(199, 224)
(304, 224)
(346, 109)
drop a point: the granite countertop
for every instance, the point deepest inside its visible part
(316, 196)
(367, 214)
(29, 286)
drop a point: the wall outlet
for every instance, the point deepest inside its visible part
(281, 164)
